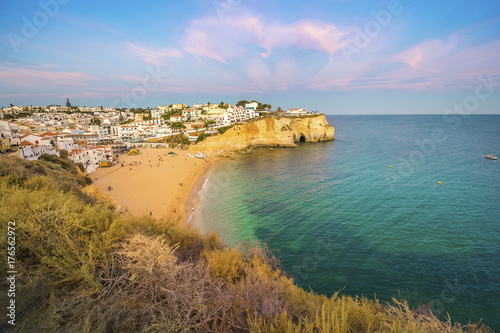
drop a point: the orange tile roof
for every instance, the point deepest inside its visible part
(75, 152)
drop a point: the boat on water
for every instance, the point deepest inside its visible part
(491, 157)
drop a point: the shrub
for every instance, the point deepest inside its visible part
(63, 153)
(202, 137)
(225, 265)
(223, 130)
(66, 165)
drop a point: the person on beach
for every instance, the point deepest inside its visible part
(175, 211)
(150, 213)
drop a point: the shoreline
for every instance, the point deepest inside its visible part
(194, 197)
(153, 183)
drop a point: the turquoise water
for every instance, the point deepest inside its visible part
(340, 217)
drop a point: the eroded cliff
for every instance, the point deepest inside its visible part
(281, 131)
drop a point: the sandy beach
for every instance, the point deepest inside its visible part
(153, 182)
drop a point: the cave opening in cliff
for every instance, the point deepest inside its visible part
(302, 138)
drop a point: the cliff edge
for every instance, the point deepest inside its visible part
(282, 131)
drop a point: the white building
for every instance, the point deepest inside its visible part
(88, 157)
(175, 119)
(9, 127)
(192, 113)
(72, 130)
(236, 115)
(12, 110)
(99, 131)
(35, 139)
(41, 117)
(179, 106)
(252, 106)
(297, 112)
(58, 108)
(66, 144)
(157, 113)
(135, 131)
(85, 139)
(33, 152)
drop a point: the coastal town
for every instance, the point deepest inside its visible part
(92, 136)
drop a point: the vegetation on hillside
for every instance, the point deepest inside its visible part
(203, 136)
(84, 267)
(174, 140)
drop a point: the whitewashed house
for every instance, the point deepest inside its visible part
(66, 143)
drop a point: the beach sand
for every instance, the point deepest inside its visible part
(145, 186)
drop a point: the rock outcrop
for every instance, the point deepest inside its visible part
(282, 131)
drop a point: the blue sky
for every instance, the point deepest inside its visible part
(335, 56)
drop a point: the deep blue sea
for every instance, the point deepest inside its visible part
(338, 216)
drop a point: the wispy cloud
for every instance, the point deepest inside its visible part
(305, 34)
(222, 38)
(127, 78)
(31, 76)
(156, 57)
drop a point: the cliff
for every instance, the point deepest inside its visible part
(281, 131)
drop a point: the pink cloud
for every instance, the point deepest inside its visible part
(155, 57)
(321, 36)
(199, 44)
(127, 78)
(452, 61)
(33, 77)
(223, 39)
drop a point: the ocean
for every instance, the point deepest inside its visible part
(365, 213)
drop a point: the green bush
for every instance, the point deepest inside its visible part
(223, 130)
(63, 154)
(65, 164)
(202, 137)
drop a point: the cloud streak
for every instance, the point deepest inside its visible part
(155, 57)
(26, 77)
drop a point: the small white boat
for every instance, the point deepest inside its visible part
(491, 157)
(189, 155)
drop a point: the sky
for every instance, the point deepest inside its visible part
(331, 56)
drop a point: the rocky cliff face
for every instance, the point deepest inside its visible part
(281, 131)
